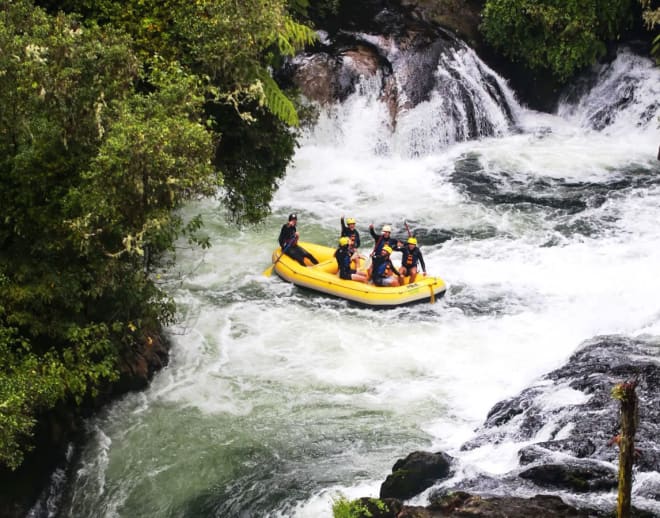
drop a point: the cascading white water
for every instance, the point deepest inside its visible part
(277, 400)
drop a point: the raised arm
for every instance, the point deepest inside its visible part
(421, 260)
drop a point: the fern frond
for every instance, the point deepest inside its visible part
(293, 37)
(655, 48)
(275, 100)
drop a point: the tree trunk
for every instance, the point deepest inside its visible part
(625, 392)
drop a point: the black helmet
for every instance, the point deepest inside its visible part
(293, 216)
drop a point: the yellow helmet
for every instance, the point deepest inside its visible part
(350, 221)
(388, 249)
(343, 241)
(387, 228)
(412, 241)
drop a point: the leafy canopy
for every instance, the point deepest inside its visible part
(114, 114)
(96, 153)
(233, 43)
(558, 35)
(651, 16)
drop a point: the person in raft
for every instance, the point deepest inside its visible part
(384, 239)
(344, 256)
(289, 242)
(348, 229)
(384, 272)
(410, 256)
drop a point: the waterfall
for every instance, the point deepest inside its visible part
(421, 98)
(617, 96)
(469, 101)
(278, 400)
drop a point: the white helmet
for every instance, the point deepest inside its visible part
(387, 228)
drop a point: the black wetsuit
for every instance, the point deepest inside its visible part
(290, 246)
(352, 235)
(343, 257)
(381, 242)
(382, 266)
(410, 258)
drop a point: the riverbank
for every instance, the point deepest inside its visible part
(33, 486)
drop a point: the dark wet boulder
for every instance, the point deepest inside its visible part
(565, 423)
(595, 370)
(578, 478)
(417, 472)
(464, 504)
(463, 17)
(583, 418)
(577, 447)
(333, 73)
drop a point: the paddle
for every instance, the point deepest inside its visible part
(269, 271)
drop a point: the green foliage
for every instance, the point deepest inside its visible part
(278, 103)
(233, 45)
(113, 116)
(651, 13)
(651, 16)
(155, 156)
(26, 383)
(96, 154)
(344, 508)
(292, 37)
(561, 36)
(253, 157)
(655, 48)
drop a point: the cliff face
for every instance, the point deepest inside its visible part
(404, 60)
(360, 35)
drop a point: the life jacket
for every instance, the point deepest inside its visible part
(409, 258)
(383, 268)
(343, 257)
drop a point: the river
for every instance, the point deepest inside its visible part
(277, 400)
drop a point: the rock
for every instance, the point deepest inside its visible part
(417, 512)
(583, 426)
(459, 16)
(417, 472)
(399, 53)
(138, 367)
(578, 478)
(464, 504)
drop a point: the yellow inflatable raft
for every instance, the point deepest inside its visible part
(323, 277)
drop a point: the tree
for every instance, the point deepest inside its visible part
(561, 36)
(111, 117)
(96, 153)
(626, 393)
(233, 45)
(651, 16)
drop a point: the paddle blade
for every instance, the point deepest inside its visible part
(268, 271)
